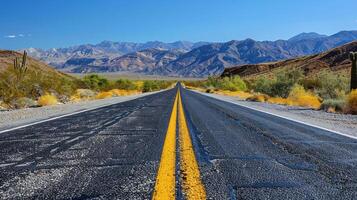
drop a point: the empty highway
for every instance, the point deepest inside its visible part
(176, 144)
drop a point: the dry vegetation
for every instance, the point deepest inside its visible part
(324, 90)
(30, 83)
(47, 100)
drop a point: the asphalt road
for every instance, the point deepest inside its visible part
(114, 152)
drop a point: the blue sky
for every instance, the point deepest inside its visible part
(61, 23)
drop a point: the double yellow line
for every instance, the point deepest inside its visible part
(165, 186)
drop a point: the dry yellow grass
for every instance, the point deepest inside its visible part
(352, 102)
(300, 97)
(139, 84)
(104, 95)
(82, 94)
(47, 100)
(240, 94)
(297, 97)
(279, 100)
(119, 92)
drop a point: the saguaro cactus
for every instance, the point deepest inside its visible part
(20, 68)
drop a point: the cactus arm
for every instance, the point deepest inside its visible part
(24, 59)
(353, 57)
(20, 69)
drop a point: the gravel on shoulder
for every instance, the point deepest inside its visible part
(14, 118)
(343, 123)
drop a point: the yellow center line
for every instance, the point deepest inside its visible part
(165, 180)
(192, 184)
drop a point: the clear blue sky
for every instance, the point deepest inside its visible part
(61, 23)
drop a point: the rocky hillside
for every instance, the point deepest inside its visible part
(7, 59)
(59, 57)
(336, 59)
(212, 59)
(144, 61)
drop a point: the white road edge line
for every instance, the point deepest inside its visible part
(269, 113)
(73, 113)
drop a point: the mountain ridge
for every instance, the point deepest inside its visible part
(199, 59)
(335, 59)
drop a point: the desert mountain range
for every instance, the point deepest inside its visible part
(184, 58)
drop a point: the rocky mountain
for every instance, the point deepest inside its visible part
(144, 61)
(58, 57)
(335, 59)
(212, 59)
(7, 59)
(186, 58)
(306, 36)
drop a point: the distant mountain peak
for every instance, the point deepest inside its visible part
(184, 58)
(306, 36)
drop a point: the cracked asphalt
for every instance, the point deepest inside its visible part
(114, 153)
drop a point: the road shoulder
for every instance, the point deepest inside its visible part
(22, 117)
(339, 123)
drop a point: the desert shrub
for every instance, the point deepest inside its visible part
(263, 85)
(352, 102)
(232, 84)
(82, 94)
(96, 82)
(280, 84)
(258, 98)
(209, 90)
(285, 80)
(332, 105)
(125, 84)
(212, 82)
(3, 106)
(240, 94)
(150, 86)
(23, 102)
(139, 85)
(300, 97)
(47, 100)
(85, 93)
(154, 85)
(9, 89)
(194, 84)
(310, 83)
(332, 85)
(104, 95)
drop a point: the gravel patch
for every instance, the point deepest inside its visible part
(346, 124)
(14, 118)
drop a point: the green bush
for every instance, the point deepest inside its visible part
(263, 85)
(23, 102)
(212, 82)
(332, 86)
(280, 84)
(285, 80)
(154, 85)
(197, 84)
(125, 84)
(227, 83)
(96, 82)
(232, 84)
(335, 104)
